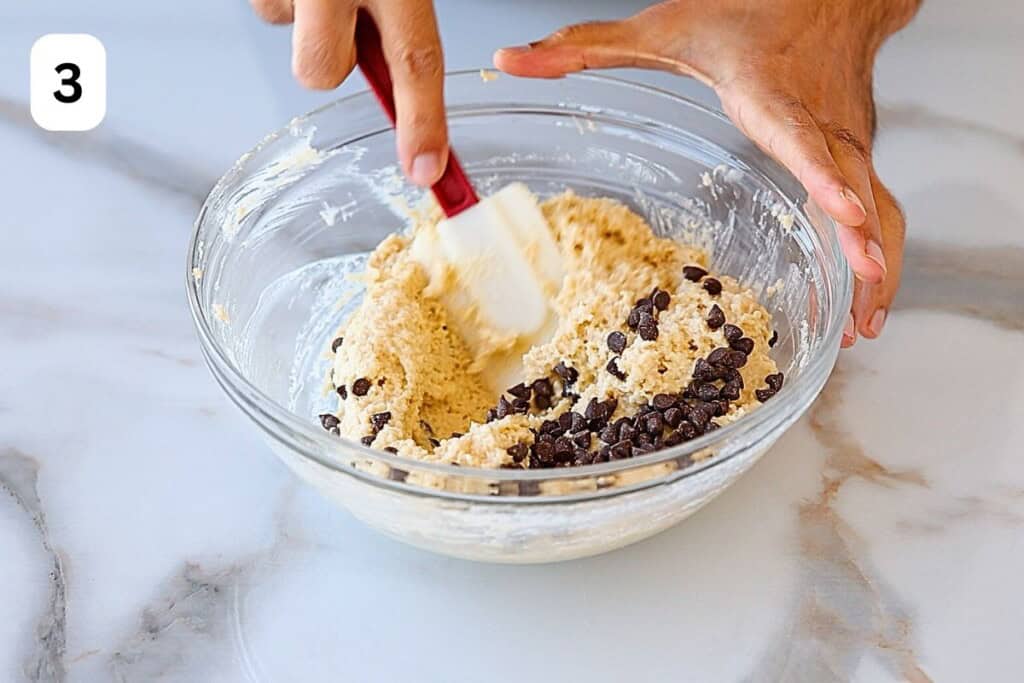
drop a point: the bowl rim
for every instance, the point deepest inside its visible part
(777, 410)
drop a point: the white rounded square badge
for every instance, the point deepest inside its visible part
(68, 82)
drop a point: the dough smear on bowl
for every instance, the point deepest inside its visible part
(650, 351)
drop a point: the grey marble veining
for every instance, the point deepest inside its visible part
(121, 154)
(19, 476)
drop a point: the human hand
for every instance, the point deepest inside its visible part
(323, 55)
(795, 77)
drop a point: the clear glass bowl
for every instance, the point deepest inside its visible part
(274, 240)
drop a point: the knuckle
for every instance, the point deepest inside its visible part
(420, 61)
(316, 75)
(849, 141)
(568, 34)
(273, 11)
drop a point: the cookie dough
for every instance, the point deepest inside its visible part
(650, 351)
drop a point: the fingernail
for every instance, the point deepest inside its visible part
(877, 322)
(517, 49)
(849, 330)
(874, 252)
(426, 168)
(851, 196)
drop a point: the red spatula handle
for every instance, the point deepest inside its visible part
(453, 190)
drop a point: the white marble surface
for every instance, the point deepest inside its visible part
(147, 535)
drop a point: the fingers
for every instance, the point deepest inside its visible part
(781, 126)
(274, 11)
(412, 48)
(861, 243)
(323, 52)
(594, 45)
(872, 302)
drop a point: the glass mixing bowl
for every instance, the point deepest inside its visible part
(277, 236)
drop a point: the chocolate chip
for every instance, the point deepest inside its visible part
(590, 412)
(492, 415)
(582, 439)
(367, 440)
(328, 421)
(361, 386)
(542, 387)
(673, 439)
(713, 286)
(649, 331)
(643, 442)
(694, 273)
(705, 391)
(434, 442)
(613, 369)
(568, 374)
(774, 339)
(664, 401)
(545, 452)
(565, 422)
(609, 434)
(336, 343)
(731, 375)
(700, 414)
(520, 391)
(582, 457)
(579, 423)
(712, 426)
(732, 333)
(721, 407)
(608, 407)
(688, 430)
(735, 359)
(744, 344)
(621, 450)
(563, 449)
(603, 455)
(728, 358)
(627, 432)
(653, 424)
(518, 452)
(617, 342)
(455, 435)
(715, 317)
(343, 392)
(391, 449)
(378, 420)
(335, 431)
(763, 394)
(550, 427)
(542, 402)
(520, 406)
(703, 370)
(730, 391)
(503, 409)
(633, 321)
(661, 299)
(645, 303)
(673, 417)
(717, 357)
(775, 381)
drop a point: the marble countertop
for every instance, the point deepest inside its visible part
(146, 534)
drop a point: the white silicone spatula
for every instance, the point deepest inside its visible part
(505, 261)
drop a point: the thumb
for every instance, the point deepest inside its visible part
(593, 45)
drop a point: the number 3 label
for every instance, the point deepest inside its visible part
(72, 81)
(68, 76)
